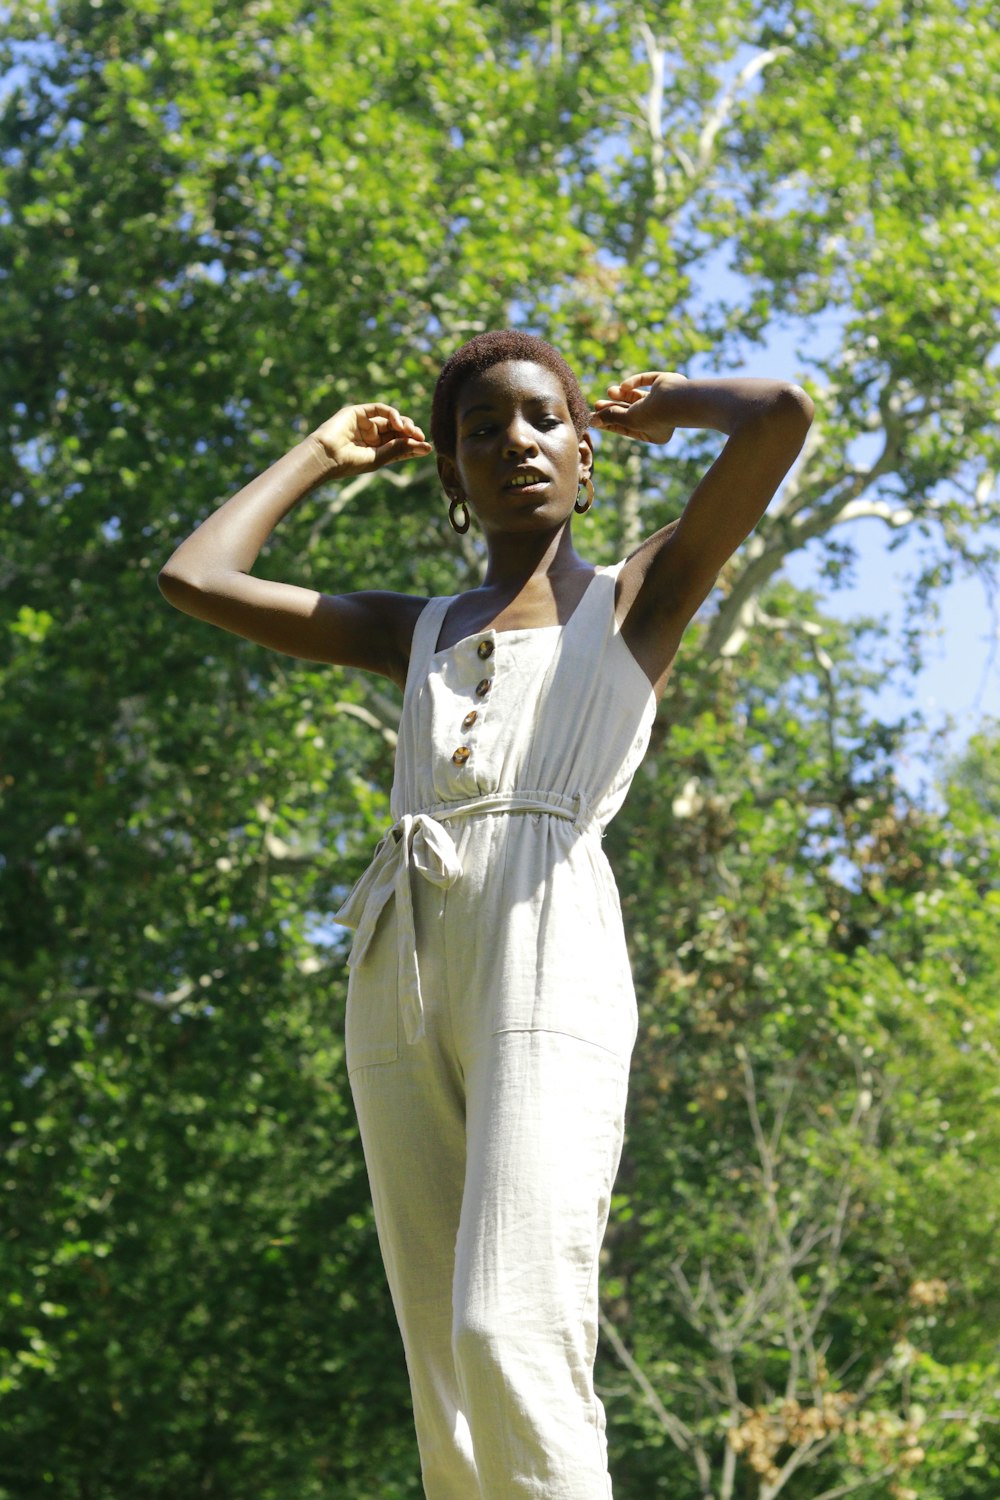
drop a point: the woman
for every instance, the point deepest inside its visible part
(491, 1014)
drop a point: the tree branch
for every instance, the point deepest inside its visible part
(374, 721)
(281, 853)
(893, 515)
(350, 491)
(172, 998)
(857, 1484)
(673, 1426)
(824, 667)
(727, 101)
(767, 549)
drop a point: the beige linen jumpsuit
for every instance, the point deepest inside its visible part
(490, 1021)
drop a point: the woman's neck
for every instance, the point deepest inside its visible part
(515, 560)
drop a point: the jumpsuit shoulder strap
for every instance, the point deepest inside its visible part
(425, 634)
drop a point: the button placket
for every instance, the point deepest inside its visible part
(484, 651)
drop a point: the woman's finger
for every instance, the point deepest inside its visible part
(399, 448)
(386, 416)
(379, 409)
(613, 411)
(646, 378)
(381, 429)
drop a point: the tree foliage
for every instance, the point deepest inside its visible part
(218, 223)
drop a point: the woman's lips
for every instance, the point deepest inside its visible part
(535, 483)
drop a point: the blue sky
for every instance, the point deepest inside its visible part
(959, 685)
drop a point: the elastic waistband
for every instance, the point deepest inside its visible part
(574, 808)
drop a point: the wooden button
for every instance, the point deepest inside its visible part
(484, 649)
(461, 755)
(469, 719)
(482, 688)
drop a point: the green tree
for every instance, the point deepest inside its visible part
(219, 223)
(802, 1258)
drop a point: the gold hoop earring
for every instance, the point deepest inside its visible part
(588, 485)
(457, 501)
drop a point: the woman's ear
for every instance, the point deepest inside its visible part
(586, 457)
(448, 474)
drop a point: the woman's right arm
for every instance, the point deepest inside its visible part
(208, 575)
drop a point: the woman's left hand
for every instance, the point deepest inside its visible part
(639, 413)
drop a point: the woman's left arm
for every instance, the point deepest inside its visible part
(671, 574)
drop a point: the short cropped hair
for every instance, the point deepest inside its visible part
(478, 356)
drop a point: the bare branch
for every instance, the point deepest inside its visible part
(684, 161)
(629, 502)
(357, 711)
(355, 487)
(691, 1303)
(727, 101)
(824, 667)
(332, 509)
(985, 484)
(893, 515)
(857, 1484)
(766, 550)
(677, 1430)
(555, 32)
(654, 117)
(169, 1000)
(283, 853)
(728, 1480)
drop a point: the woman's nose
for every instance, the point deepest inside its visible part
(519, 438)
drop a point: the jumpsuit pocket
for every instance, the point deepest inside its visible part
(605, 1017)
(372, 1022)
(565, 966)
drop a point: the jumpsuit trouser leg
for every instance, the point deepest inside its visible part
(411, 1116)
(491, 1160)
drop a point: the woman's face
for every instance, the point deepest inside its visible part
(518, 461)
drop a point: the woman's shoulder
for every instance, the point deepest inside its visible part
(380, 623)
(394, 612)
(401, 612)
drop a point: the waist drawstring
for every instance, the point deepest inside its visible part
(419, 841)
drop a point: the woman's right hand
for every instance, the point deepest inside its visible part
(360, 439)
